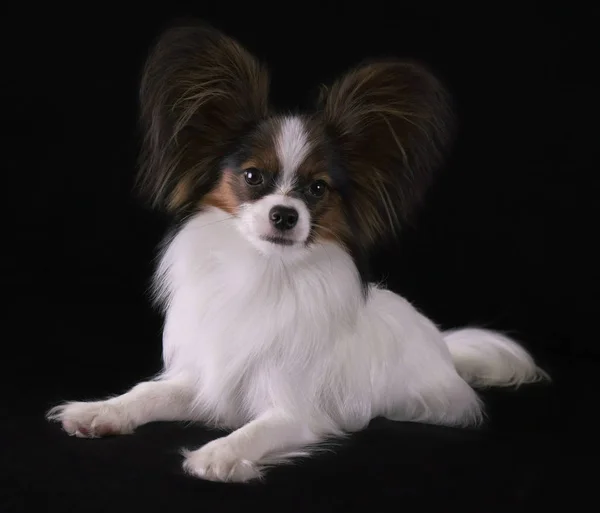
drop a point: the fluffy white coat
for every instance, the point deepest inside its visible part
(287, 353)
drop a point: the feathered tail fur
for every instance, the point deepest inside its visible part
(489, 359)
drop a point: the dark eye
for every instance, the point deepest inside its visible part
(318, 188)
(253, 176)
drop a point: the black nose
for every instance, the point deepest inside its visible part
(283, 218)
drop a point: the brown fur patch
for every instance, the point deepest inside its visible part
(261, 149)
(223, 196)
(181, 192)
(331, 224)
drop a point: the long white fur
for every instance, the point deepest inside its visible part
(285, 351)
(292, 147)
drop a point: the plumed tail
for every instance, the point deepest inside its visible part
(489, 359)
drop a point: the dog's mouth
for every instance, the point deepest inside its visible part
(281, 241)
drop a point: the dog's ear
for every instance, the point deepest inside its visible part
(200, 91)
(391, 123)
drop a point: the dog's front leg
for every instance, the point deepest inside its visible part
(163, 400)
(239, 456)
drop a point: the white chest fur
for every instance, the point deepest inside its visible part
(254, 333)
(245, 327)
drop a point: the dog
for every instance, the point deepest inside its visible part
(273, 328)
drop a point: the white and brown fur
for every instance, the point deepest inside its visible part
(278, 334)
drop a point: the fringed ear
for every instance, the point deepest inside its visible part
(391, 123)
(200, 91)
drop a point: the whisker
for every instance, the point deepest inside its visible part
(228, 218)
(330, 231)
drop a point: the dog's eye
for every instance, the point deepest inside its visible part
(318, 188)
(253, 176)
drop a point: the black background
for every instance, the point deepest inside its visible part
(507, 240)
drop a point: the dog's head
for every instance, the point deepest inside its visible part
(350, 171)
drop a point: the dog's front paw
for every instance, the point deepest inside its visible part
(218, 461)
(91, 419)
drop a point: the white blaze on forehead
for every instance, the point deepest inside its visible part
(292, 147)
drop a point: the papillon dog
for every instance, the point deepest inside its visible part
(273, 329)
